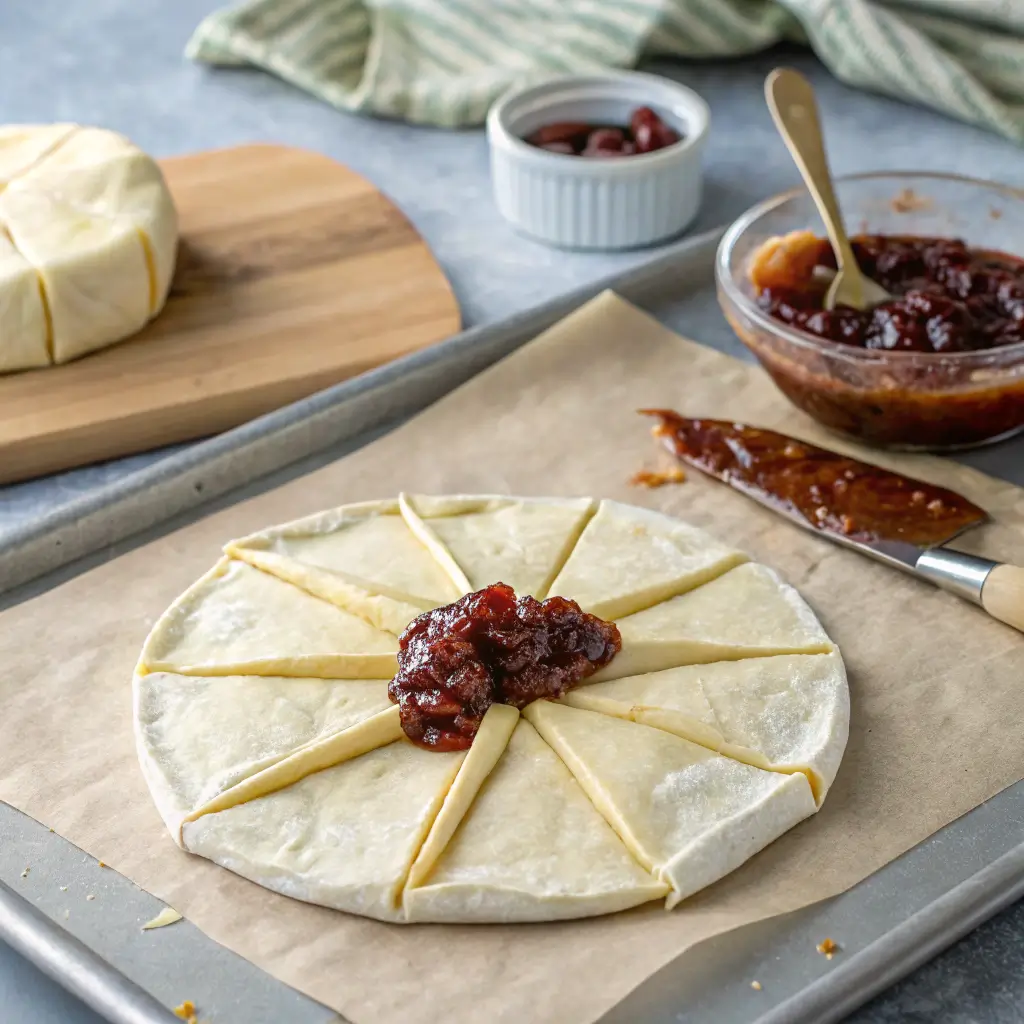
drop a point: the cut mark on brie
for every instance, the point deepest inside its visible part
(47, 315)
(44, 155)
(147, 254)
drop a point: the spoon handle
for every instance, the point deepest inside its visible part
(795, 112)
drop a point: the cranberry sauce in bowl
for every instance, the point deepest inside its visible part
(940, 366)
(555, 149)
(947, 297)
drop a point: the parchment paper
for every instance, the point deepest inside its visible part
(937, 687)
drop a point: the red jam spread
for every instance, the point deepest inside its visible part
(456, 661)
(645, 133)
(947, 297)
(831, 492)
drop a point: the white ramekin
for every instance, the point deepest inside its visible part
(576, 203)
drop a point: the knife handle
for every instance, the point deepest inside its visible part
(996, 586)
(1002, 595)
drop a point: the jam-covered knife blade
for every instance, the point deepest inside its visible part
(893, 518)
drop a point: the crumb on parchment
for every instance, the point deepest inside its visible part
(657, 477)
(827, 948)
(101, 864)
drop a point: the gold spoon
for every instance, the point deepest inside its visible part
(795, 112)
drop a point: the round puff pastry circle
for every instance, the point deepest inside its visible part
(269, 745)
(88, 238)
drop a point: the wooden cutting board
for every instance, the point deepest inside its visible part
(293, 273)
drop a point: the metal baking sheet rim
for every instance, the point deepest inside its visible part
(211, 468)
(858, 978)
(906, 947)
(70, 963)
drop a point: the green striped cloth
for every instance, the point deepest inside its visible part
(443, 62)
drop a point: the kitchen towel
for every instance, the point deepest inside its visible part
(443, 62)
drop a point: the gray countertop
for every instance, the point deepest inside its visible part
(118, 63)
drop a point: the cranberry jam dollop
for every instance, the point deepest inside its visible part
(491, 648)
(646, 132)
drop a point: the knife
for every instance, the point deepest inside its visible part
(895, 519)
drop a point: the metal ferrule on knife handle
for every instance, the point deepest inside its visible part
(955, 571)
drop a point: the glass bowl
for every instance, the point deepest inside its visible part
(908, 400)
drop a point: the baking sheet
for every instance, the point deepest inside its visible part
(865, 917)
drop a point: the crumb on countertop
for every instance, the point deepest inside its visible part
(756, 986)
(166, 916)
(90, 897)
(827, 948)
(24, 873)
(907, 201)
(657, 477)
(101, 864)
(63, 888)
(995, 213)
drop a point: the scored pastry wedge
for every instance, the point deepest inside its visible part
(629, 558)
(746, 613)
(533, 849)
(788, 713)
(362, 558)
(523, 542)
(199, 736)
(343, 837)
(688, 815)
(238, 620)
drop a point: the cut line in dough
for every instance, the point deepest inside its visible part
(362, 558)
(688, 815)
(482, 540)
(343, 837)
(629, 558)
(534, 848)
(747, 612)
(377, 731)
(787, 713)
(488, 746)
(238, 620)
(197, 736)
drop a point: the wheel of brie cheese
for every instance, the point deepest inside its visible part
(88, 238)
(695, 709)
